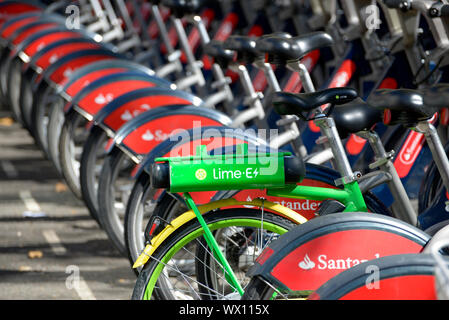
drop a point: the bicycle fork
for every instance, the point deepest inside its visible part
(212, 242)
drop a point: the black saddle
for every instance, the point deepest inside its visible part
(245, 47)
(181, 8)
(355, 116)
(301, 104)
(281, 49)
(216, 50)
(401, 106)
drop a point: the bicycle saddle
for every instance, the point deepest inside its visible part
(355, 116)
(216, 50)
(181, 8)
(281, 49)
(300, 104)
(245, 47)
(401, 106)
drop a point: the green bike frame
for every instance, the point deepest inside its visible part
(241, 171)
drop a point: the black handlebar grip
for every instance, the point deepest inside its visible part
(294, 169)
(160, 175)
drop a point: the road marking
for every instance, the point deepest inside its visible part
(9, 169)
(54, 241)
(84, 291)
(29, 201)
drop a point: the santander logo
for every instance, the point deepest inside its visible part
(158, 135)
(326, 263)
(127, 115)
(408, 154)
(306, 264)
(407, 157)
(341, 79)
(102, 99)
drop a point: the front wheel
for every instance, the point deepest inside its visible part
(183, 267)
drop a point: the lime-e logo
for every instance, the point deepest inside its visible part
(249, 173)
(200, 174)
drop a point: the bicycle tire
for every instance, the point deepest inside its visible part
(107, 214)
(55, 122)
(67, 156)
(396, 276)
(190, 233)
(88, 181)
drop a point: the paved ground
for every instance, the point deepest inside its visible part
(49, 246)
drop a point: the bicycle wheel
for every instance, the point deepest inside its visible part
(114, 186)
(172, 271)
(91, 163)
(398, 277)
(71, 141)
(313, 253)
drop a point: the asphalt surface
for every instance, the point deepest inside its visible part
(50, 248)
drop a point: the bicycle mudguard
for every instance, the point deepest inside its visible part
(311, 254)
(92, 72)
(39, 40)
(92, 98)
(11, 25)
(143, 133)
(184, 145)
(397, 277)
(190, 215)
(59, 72)
(17, 7)
(129, 105)
(57, 49)
(10, 9)
(45, 21)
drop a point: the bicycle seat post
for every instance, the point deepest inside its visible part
(402, 207)
(221, 82)
(304, 75)
(174, 64)
(252, 98)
